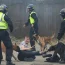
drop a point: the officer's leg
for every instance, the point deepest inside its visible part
(7, 42)
(32, 42)
(0, 52)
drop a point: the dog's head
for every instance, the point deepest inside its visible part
(16, 48)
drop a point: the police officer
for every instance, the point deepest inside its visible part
(62, 30)
(5, 22)
(33, 21)
(62, 27)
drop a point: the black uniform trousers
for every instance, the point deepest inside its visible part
(27, 54)
(32, 39)
(4, 36)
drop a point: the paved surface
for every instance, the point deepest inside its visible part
(38, 61)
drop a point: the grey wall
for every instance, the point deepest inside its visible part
(47, 11)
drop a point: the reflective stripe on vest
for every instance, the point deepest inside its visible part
(3, 23)
(31, 19)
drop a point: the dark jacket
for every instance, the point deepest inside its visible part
(62, 30)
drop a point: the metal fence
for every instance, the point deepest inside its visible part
(47, 11)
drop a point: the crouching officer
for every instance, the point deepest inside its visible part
(5, 22)
(62, 26)
(62, 30)
(33, 21)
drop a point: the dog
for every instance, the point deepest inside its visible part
(43, 41)
(4, 49)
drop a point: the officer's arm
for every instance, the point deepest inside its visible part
(27, 23)
(61, 31)
(8, 20)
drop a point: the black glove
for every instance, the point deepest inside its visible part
(11, 29)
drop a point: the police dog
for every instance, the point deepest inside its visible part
(43, 41)
(4, 49)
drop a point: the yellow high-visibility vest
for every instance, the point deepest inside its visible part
(3, 23)
(32, 21)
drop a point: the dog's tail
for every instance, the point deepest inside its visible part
(53, 35)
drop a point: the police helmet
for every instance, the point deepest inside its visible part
(3, 7)
(62, 12)
(30, 6)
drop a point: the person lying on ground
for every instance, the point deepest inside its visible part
(25, 51)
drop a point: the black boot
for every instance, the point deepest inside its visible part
(9, 63)
(62, 62)
(47, 55)
(53, 59)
